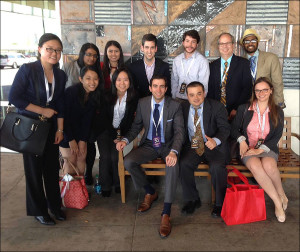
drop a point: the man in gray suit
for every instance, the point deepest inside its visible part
(161, 116)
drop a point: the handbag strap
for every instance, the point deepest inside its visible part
(240, 175)
(33, 129)
(70, 163)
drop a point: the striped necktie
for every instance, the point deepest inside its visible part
(198, 134)
(223, 87)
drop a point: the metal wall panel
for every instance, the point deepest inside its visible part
(291, 70)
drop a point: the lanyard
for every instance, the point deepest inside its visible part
(193, 119)
(261, 125)
(47, 87)
(160, 116)
(224, 74)
(189, 68)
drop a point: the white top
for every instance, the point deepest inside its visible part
(119, 111)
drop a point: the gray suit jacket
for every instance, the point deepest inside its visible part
(172, 122)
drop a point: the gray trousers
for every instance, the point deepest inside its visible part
(146, 153)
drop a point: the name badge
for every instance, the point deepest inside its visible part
(194, 143)
(118, 134)
(156, 142)
(182, 88)
(259, 143)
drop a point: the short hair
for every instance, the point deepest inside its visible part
(192, 33)
(195, 84)
(158, 77)
(149, 37)
(226, 33)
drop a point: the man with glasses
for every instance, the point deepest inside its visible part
(230, 79)
(263, 64)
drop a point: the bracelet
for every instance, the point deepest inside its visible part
(59, 130)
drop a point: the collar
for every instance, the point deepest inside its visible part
(160, 103)
(150, 65)
(255, 54)
(193, 55)
(223, 61)
(200, 107)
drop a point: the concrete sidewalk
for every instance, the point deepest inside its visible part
(108, 225)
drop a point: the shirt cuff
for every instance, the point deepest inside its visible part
(265, 148)
(175, 151)
(241, 139)
(125, 140)
(217, 140)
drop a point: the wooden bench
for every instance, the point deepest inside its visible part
(288, 162)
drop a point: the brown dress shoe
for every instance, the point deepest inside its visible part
(146, 205)
(165, 226)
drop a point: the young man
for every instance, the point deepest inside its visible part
(142, 70)
(263, 64)
(189, 66)
(161, 117)
(207, 131)
(230, 79)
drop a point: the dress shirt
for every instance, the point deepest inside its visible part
(198, 67)
(149, 70)
(223, 67)
(119, 111)
(161, 104)
(191, 129)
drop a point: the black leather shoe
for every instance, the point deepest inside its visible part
(190, 206)
(106, 193)
(45, 220)
(88, 180)
(59, 215)
(216, 212)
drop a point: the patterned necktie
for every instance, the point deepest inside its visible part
(156, 117)
(252, 67)
(223, 87)
(198, 134)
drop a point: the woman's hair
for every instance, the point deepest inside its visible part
(272, 106)
(95, 95)
(106, 70)
(130, 91)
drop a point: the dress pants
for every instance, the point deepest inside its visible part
(108, 163)
(189, 160)
(42, 179)
(146, 153)
(90, 159)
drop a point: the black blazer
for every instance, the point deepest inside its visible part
(239, 82)
(23, 91)
(141, 83)
(215, 124)
(272, 138)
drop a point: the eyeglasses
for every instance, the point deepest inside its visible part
(51, 50)
(95, 56)
(225, 44)
(253, 41)
(264, 91)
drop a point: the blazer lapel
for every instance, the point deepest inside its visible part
(147, 109)
(165, 115)
(233, 65)
(143, 70)
(206, 115)
(156, 66)
(260, 63)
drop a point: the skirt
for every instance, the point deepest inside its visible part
(271, 154)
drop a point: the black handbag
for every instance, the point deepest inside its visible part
(24, 134)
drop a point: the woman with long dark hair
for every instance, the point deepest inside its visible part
(42, 172)
(261, 130)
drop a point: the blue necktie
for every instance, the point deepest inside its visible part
(156, 117)
(252, 66)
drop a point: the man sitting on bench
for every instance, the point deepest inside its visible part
(206, 140)
(161, 116)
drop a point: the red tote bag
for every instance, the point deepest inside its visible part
(243, 203)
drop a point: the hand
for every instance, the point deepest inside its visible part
(171, 159)
(253, 152)
(73, 147)
(59, 136)
(81, 148)
(211, 143)
(243, 148)
(120, 145)
(232, 115)
(48, 112)
(116, 140)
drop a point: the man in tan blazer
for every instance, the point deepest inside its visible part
(263, 64)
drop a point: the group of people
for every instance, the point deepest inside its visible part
(188, 117)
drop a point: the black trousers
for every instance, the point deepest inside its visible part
(90, 159)
(189, 160)
(42, 179)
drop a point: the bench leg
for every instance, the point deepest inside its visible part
(121, 169)
(122, 187)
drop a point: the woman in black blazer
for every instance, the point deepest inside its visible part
(42, 172)
(122, 102)
(261, 130)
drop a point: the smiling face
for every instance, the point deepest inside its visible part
(90, 57)
(113, 54)
(251, 47)
(158, 89)
(48, 57)
(226, 46)
(122, 82)
(189, 45)
(195, 96)
(90, 81)
(149, 49)
(262, 91)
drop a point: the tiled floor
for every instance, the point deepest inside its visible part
(108, 225)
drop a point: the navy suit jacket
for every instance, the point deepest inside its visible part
(141, 83)
(238, 86)
(23, 91)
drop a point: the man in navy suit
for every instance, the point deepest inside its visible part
(142, 70)
(230, 73)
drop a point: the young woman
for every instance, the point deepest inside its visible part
(42, 172)
(89, 55)
(122, 103)
(261, 130)
(113, 59)
(80, 103)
